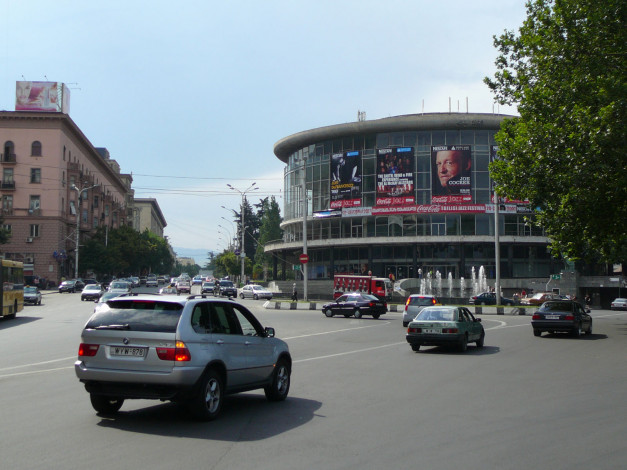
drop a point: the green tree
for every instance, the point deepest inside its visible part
(5, 235)
(270, 229)
(565, 69)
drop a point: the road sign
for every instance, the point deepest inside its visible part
(303, 258)
(556, 277)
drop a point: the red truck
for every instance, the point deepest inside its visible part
(377, 286)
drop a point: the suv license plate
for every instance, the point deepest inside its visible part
(130, 352)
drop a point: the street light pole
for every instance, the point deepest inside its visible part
(78, 222)
(242, 254)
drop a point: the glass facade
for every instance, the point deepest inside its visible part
(412, 241)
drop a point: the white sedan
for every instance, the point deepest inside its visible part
(255, 292)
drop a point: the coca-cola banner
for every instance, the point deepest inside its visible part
(451, 167)
(415, 209)
(395, 177)
(346, 180)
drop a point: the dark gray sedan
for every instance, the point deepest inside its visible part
(357, 304)
(564, 316)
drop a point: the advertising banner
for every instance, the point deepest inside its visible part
(346, 180)
(395, 177)
(41, 96)
(451, 167)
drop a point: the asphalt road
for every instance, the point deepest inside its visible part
(360, 399)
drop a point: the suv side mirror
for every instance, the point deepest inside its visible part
(269, 332)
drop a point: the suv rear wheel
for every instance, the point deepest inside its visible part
(207, 403)
(106, 405)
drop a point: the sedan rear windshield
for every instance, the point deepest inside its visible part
(557, 307)
(226, 284)
(138, 315)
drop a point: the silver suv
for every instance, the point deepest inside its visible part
(192, 350)
(414, 305)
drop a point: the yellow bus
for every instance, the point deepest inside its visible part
(12, 282)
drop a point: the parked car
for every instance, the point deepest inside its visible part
(414, 305)
(121, 287)
(134, 281)
(71, 285)
(92, 292)
(161, 279)
(562, 316)
(207, 287)
(357, 304)
(445, 326)
(489, 298)
(151, 281)
(619, 304)
(540, 298)
(183, 285)
(254, 291)
(32, 295)
(192, 351)
(227, 288)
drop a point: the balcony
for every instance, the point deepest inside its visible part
(9, 185)
(8, 211)
(8, 158)
(34, 212)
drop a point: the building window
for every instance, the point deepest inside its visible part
(7, 228)
(8, 154)
(7, 205)
(7, 178)
(35, 175)
(95, 202)
(95, 222)
(35, 203)
(106, 212)
(35, 149)
(34, 230)
(85, 216)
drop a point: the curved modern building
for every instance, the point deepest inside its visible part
(404, 195)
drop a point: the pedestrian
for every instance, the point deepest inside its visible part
(588, 300)
(294, 293)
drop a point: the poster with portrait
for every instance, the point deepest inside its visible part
(451, 170)
(345, 179)
(395, 177)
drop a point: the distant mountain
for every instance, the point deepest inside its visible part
(199, 254)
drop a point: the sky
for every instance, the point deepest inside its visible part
(191, 95)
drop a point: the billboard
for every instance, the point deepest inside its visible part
(345, 179)
(42, 96)
(451, 167)
(395, 177)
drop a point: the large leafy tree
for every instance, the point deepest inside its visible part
(270, 229)
(565, 69)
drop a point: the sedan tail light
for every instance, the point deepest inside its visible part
(414, 330)
(569, 317)
(450, 330)
(180, 353)
(87, 350)
(535, 317)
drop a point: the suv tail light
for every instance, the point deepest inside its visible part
(407, 303)
(180, 353)
(87, 350)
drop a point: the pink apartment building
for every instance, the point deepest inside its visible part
(45, 160)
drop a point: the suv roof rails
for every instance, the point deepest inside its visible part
(203, 296)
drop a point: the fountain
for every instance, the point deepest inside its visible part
(450, 284)
(473, 282)
(483, 281)
(438, 283)
(462, 287)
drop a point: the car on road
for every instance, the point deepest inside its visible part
(32, 295)
(254, 291)
(414, 305)
(356, 304)
(227, 288)
(197, 281)
(134, 280)
(207, 287)
(539, 298)
(183, 285)
(121, 287)
(619, 303)
(92, 292)
(562, 316)
(151, 281)
(191, 350)
(72, 285)
(445, 326)
(489, 298)
(104, 298)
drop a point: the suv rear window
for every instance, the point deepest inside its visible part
(226, 284)
(138, 315)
